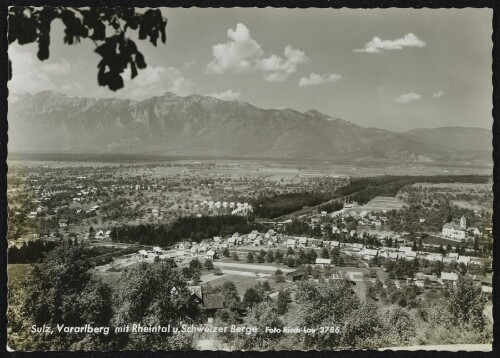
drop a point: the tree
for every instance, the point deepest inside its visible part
(250, 258)
(154, 295)
(278, 256)
(209, 265)
(261, 257)
(61, 289)
(282, 302)
(251, 298)
(29, 24)
(270, 256)
(225, 252)
(278, 276)
(266, 286)
(235, 256)
(196, 278)
(467, 303)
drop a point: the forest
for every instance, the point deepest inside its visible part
(362, 190)
(192, 228)
(282, 204)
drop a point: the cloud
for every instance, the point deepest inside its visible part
(242, 54)
(32, 75)
(315, 80)
(236, 55)
(281, 68)
(152, 81)
(438, 94)
(156, 80)
(408, 97)
(376, 45)
(228, 95)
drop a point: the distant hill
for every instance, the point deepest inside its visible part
(202, 125)
(454, 138)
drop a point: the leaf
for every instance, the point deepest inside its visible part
(115, 81)
(133, 69)
(139, 60)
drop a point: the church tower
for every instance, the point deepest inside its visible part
(463, 222)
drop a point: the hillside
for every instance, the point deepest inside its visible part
(203, 125)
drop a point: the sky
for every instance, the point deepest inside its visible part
(395, 69)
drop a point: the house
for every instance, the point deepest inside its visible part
(253, 235)
(486, 285)
(63, 222)
(454, 231)
(231, 241)
(212, 303)
(185, 245)
(315, 243)
(157, 250)
(368, 253)
(303, 241)
(323, 262)
(143, 254)
(464, 259)
(211, 254)
(294, 276)
(290, 243)
(449, 277)
(411, 255)
(257, 242)
(435, 257)
(338, 276)
(453, 255)
(395, 255)
(271, 242)
(196, 292)
(356, 247)
(334, 243)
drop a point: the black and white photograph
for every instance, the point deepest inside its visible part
(249, 179)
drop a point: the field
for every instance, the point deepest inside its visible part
(439, 241)
(381, 203)
(469, 205)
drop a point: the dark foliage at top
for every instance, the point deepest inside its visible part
(28, 24)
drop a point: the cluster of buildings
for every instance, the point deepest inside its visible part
(458, 231)
(235, 207)
(407, 253)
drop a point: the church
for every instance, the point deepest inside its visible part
(455, 231)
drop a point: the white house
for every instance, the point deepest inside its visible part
(449, 276)
(157, 250)
(323, 262)
(210, 254)
(464, 259)
(143, 254)
(184, 245)
(303, 241)
(290, 243)
(454, 231)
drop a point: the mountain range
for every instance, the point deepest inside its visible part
(199, 125)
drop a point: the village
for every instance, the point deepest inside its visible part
(383, 248)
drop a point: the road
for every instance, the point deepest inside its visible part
(250, 266)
